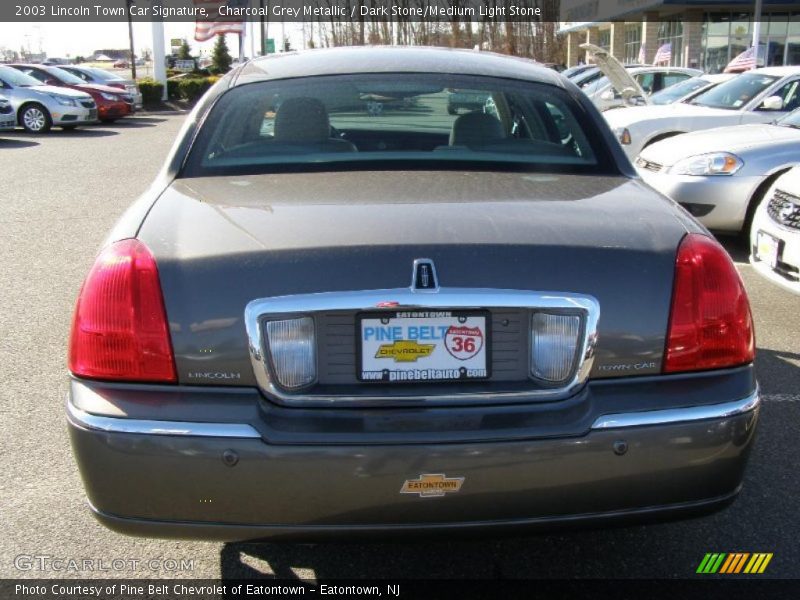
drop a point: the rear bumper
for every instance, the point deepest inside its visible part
(172, 479)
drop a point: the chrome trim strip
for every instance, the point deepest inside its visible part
(679, 415)
(406, 299)
(181, 428)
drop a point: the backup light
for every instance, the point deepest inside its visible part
(292, 349)
(554, 344)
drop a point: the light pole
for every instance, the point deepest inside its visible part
(130, 37)
(757, 29)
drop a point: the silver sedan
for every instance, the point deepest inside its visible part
(39, 107)
(720, 175)
(7, 119)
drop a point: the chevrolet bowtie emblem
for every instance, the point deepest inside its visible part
(432, 485)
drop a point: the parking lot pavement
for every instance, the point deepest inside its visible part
(59, 195)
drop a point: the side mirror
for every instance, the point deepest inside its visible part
(772, 103)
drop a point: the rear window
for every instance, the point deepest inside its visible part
(392, 120)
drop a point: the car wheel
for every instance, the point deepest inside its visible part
(35, 119)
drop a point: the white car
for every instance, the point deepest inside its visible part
(758, 96)
(720, 175)
(690, 88)
(775, 235)
(8, 118)
(607, 94)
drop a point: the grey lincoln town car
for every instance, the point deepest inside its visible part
(341, 310)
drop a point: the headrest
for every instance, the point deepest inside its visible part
(476, 128)
(302, 120)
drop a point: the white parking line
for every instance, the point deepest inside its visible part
(781, 397)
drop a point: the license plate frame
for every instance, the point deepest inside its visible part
(768, 248)
(443, 363)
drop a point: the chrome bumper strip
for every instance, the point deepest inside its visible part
(679, 415)
(235, 430)
(182, 428)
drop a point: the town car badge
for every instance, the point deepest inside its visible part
(424, 277)
(432, 485)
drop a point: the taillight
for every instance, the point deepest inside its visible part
(119, 331)
(710, 325)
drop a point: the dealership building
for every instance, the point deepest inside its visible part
(706, 34)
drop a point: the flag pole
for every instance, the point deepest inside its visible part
(757, 28)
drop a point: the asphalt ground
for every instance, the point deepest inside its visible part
(59, 195)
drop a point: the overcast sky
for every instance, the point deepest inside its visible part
(82, 39)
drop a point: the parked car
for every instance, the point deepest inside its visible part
(607, 93)
(759, 96)
(39, 107)
(122, 64)
(775, 234)
(689, 88)
(392, 337)
(103, 77)
(112, 104)
(573, 72)
(623, 85)
(8, 120)
(720, 175)
(465, 100)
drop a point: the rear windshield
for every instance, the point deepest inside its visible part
(394, 119)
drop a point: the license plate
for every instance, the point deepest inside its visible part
(767, 248)
(420, 346)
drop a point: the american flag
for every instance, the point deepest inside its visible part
(744, 62)
(663, 54)
(642, 55)
(217, 25)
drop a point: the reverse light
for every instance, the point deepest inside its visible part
(715, 163)
(554, 344)
(710, 324)
(119, 331)
(292, 349)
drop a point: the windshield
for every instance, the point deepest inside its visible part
(395, 119)
(104, 75)
(791, 120)
(735, 93)
(17, 78)
(65, 76)
(675, 92)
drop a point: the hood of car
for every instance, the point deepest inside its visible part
(738, 139)
(59, 91)
(679, 110)
(790, 182)
(617, 74)
(103, 89)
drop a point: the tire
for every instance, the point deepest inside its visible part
(758, 196)
(35, 118)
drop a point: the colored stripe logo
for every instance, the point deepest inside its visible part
(734, 562)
